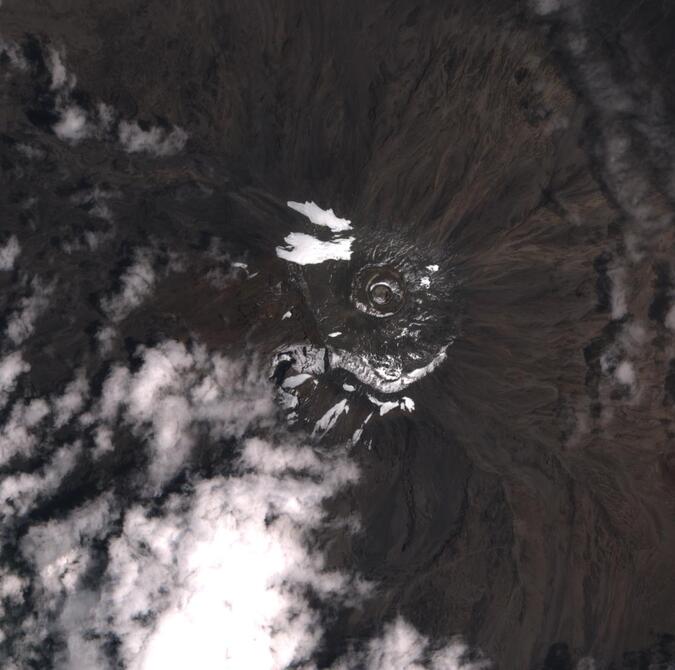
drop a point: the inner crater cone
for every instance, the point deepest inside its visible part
(381, 294)
(378, 291)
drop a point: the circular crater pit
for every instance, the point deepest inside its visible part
(378, 291)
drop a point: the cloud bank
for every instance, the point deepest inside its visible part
(220, 572)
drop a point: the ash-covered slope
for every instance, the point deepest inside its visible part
(484, 320)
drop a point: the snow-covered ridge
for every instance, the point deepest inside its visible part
(385, 379)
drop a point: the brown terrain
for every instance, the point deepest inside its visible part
(529, 502)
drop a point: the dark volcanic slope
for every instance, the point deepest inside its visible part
(527, 502)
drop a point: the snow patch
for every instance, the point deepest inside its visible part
(329, 419)
(359, 431)
(304, 249)
(321, 217)
(405, 404)
(295, 380)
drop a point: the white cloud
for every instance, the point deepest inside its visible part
(12, 586)
(76, 124)
(625, 373)
(155, 141)
(72, 400)
(30, 152)
(21, 322)
(73, 125)
(103, 439)
(60, 553)
(224, 573)
(217, 576)
(402, 647)
(627, 117)
(14, 54)
(57, 549)
(177, 395)
(12, 366)
(18, 434)
(619, 296)
(226, 568)
(105, 336)
(546, 6)
(57, 69)
(106, 116)
(12, 594)
(619, 362)
(96, 198)
(136, 284)
(9, 253)
(19, 492)
(670, 319)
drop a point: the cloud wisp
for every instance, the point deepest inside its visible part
(75, 123)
